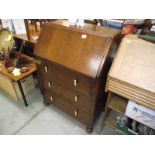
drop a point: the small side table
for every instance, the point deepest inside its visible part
(11, 77)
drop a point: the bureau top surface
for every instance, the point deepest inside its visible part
(83, 50)
(135, 63)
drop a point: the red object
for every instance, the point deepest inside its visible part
(128, 29)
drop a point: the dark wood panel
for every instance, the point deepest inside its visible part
(79, 51)
(67, 107)
(74, 68)
(70, 78)
(41, 63)
(75, 97)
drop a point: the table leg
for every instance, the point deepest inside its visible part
(22, 93)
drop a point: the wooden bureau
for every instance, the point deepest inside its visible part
(74, 66)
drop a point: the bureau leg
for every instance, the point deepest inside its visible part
(22, 93)
(89, 129)
(46, 103)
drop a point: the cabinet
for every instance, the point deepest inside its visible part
(74, 66)
(131, 77)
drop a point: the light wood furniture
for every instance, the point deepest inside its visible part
(131, 77)
(132, 73)
(12, 88)
(74, 67)
(18, 86)
(114, 103)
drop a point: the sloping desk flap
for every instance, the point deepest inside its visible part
(78, 50)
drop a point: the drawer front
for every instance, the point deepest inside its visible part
(7, 85)
(50, 97)
(70, 109)
(70, 78)
(75, 97)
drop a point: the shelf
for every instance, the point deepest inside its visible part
(117, 106)
(112, 123)
(118, 103)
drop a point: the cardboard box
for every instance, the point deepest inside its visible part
(141, 114)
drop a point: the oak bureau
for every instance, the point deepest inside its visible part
(74, 66)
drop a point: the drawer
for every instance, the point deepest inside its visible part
(7, 85)
(70, 78)
(50, 97)
(85, 117)
(70, 109)
(75, 97)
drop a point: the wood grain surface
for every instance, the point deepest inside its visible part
(132, 74)
(82, 50)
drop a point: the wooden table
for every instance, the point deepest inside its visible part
(32, 69)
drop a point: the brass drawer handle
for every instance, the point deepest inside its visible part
(76, 98)
(75, 113)
(45, 68)
(49, 84)
(75, 82)
(51, 98)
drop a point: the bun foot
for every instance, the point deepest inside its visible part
(89, 129)
(46, 103)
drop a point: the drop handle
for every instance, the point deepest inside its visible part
(51, 98)
(49, 84)
(76, 98)
(75, 82)
(75, 113)
(45, 68)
